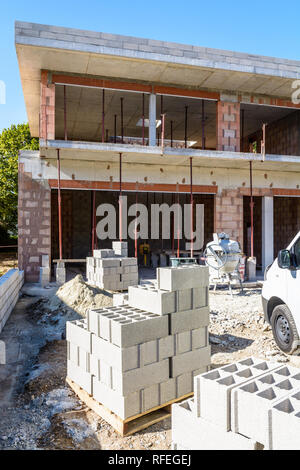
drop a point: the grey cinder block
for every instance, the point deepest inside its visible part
(77, 333)
(189, 320)
(190, 361)
(172, 278)
(258, 396)
(284, 423)
(213, 390)
(198, 434)
(80, 377)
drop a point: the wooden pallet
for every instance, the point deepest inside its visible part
(130, 425)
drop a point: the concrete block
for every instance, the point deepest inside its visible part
(190, 361)
(125, 262)
(108, 262)
(45, 261)
(146, 297)
(183, 342)
(103, 253)
(120, 248)
(2, 352)
(60, 275)
(168, 391)
(83, 360)
(213, 389)
(148, 352)
(284, 423)
(189, 320)
(44, 278)
(166, 347)
(73, 353)
(199, 338)
(77, 333)
(179, 278)
(120, 299)
(150, 397)
(80, 377)
(258, 396)
(122, 406)
(198, 434)
(140, 378)
(124, 359)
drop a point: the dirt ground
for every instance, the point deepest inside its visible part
(44, 413)
(7, 262)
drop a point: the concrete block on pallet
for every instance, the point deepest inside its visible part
(124, 359)
(190, 361)
(126, 262)
(120, 248)
(199, 337)
(179, 278)
(122, 406)
(146, 297)
(77, 333)
(258, 396)
(107, 253)
(72, 352)
(168, 390)
(150, 397)
(108, 263)
(140, 378)
(198, 434)
(284, 423)
(166, 347)
(213, 390)
(189, 320)
(80, 377)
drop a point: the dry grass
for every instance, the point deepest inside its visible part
(7, 262)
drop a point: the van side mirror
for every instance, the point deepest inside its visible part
(284, 259)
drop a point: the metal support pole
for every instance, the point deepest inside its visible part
(192, 207)
(59, 206)
(115, 130)
(122, 122)
(120, 198)
(263, 142)
(178, 250)
(94, 221)
(173, 226)
(65, 112)
(185, 127)
(103, 114)
(135, 230)
(171, 133)
(251, 212)
(203, 126)
(242, 128)
(143, 117)
(163, 131)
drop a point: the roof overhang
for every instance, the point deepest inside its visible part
(106, 55)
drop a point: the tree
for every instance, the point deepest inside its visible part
(16, 138)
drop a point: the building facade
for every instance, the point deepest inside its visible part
(116, 113)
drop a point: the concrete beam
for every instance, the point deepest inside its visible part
(152, 119)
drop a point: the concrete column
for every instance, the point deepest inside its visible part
(228, 126)
(152, 119)
(267, 231)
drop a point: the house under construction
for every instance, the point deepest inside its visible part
(160, 123)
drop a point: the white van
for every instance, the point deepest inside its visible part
(281, 297)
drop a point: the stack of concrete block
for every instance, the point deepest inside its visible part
(109, 269)
(45, 273)
(133, 359)
(60, 273)
(213, 417)
(10, 285)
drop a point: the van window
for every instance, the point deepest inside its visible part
(297, 252)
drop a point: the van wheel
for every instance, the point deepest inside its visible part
(284, 329)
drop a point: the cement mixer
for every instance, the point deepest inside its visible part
(223, 257)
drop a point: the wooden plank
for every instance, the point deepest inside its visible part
(130, 425)
(69, 260)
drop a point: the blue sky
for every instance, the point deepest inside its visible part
(258, 27)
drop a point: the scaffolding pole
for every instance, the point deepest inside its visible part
(94, 222)
(177, 189)
(135, 229)
(120, 197)
(122, 122)
(185, 126)
(103, 114)
(192, 208)
(59, 206)
(65, 113)
(251, 212)
(203, 126)
(143, 117)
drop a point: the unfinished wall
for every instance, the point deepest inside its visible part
(34, 222)
(282, 136)
(286, 221)
(229, 214)
(228, 126)
(257, 232)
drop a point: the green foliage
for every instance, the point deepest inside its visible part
(16, 138)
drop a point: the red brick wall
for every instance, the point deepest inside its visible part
(34, 224)
(282, 136)
(229, 214)
(228, 126)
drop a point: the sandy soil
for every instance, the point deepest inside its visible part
(7, 262)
